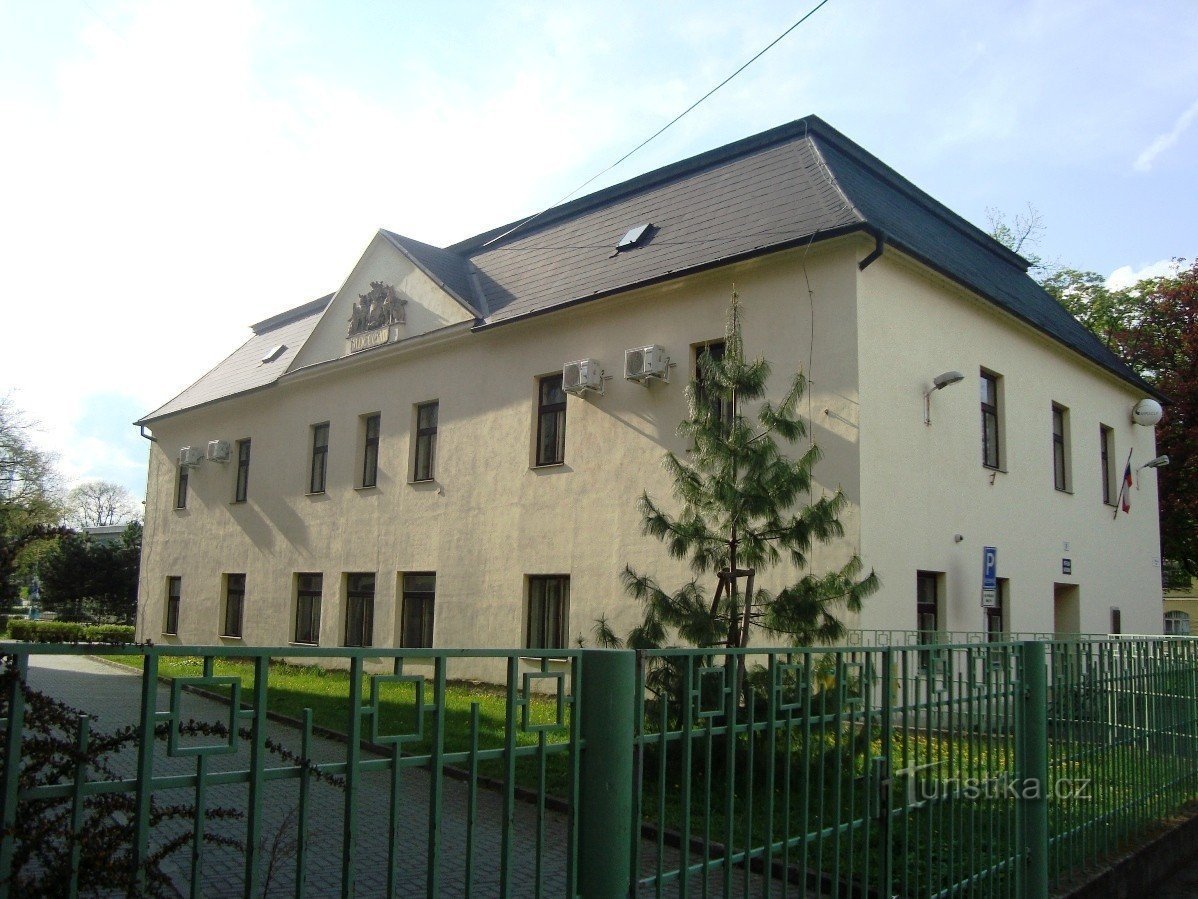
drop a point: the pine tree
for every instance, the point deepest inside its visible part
(742, 515)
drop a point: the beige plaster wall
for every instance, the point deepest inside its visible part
(921, 485)
(489, 520)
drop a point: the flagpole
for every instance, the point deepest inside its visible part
(1122, 485)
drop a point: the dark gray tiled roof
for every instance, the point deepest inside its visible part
(737, 206)
(244, 370)
(785, 187)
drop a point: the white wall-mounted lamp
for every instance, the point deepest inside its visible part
(1158, 462)
(938, 383)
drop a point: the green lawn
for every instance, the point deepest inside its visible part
(292, 688)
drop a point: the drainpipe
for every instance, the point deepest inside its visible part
(879, 245)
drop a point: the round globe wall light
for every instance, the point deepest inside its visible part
(1147, 412)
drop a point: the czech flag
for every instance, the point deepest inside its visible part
(1127, 484)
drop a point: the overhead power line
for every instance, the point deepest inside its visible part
(760, 53)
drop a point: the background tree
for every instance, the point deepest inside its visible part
(742, 515)
(30, 508)
(85, 578)
(98, 503)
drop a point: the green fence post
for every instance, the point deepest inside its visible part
(1032, 765)
(606, 710)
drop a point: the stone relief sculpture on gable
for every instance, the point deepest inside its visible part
(380, 307)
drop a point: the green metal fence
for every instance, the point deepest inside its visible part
(972, 768)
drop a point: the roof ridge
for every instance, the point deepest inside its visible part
(289, 315)
(914, 192)
(707, 159)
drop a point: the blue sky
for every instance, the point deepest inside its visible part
(174, 172)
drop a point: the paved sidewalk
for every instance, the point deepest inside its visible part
(112, 695)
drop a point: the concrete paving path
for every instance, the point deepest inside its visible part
(112, 695)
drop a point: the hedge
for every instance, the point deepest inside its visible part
(69, 632)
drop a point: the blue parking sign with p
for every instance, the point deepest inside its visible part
(989, 577)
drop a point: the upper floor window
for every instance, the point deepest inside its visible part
(551, 420)
(1106, 443)
(174, 587)
(308, 588)
(234, 605)
(359, 609)
(181, 487)
(720, 405)
(370, 449)
(1060, 448)
(548, 611)
(241, 490)
(991, 420)
(424, 467)
(1116, 621)
(320, 458)
(418, 597)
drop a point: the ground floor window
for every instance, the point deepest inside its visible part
(416, 630)
(174, 587)
(1177, 623)
(927, 612)
(308, 588)
(234, 604)
(1116, 622)
(548, 606)
(359, 609)
(996, 628)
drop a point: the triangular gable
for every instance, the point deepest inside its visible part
(417, 302)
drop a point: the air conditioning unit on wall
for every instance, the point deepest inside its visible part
(645, 363)
(218, 451)
(581, 376)
(190, 456)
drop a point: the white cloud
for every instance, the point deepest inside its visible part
(1164, 141)
(1126, 276)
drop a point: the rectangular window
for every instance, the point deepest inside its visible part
(927, 618)
(721, 406)
(551, 421)
(1106, 443)
(308, 588)
(1060, 448)
(370, 450)
(320, 457)
(995, 625)
(991, 439)
(1116, 621)
(418, 594)
(174, 587)
(424, 468)
(241, 491)
(359, 609)
(234, 604)
(181, 487)
(548, 607)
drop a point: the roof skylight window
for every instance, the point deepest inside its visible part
(635, 237)
(275, 353)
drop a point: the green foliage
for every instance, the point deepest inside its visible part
(68, 632)
(1153, 326)
(82, 577)
(747, 505)
(30, 508)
